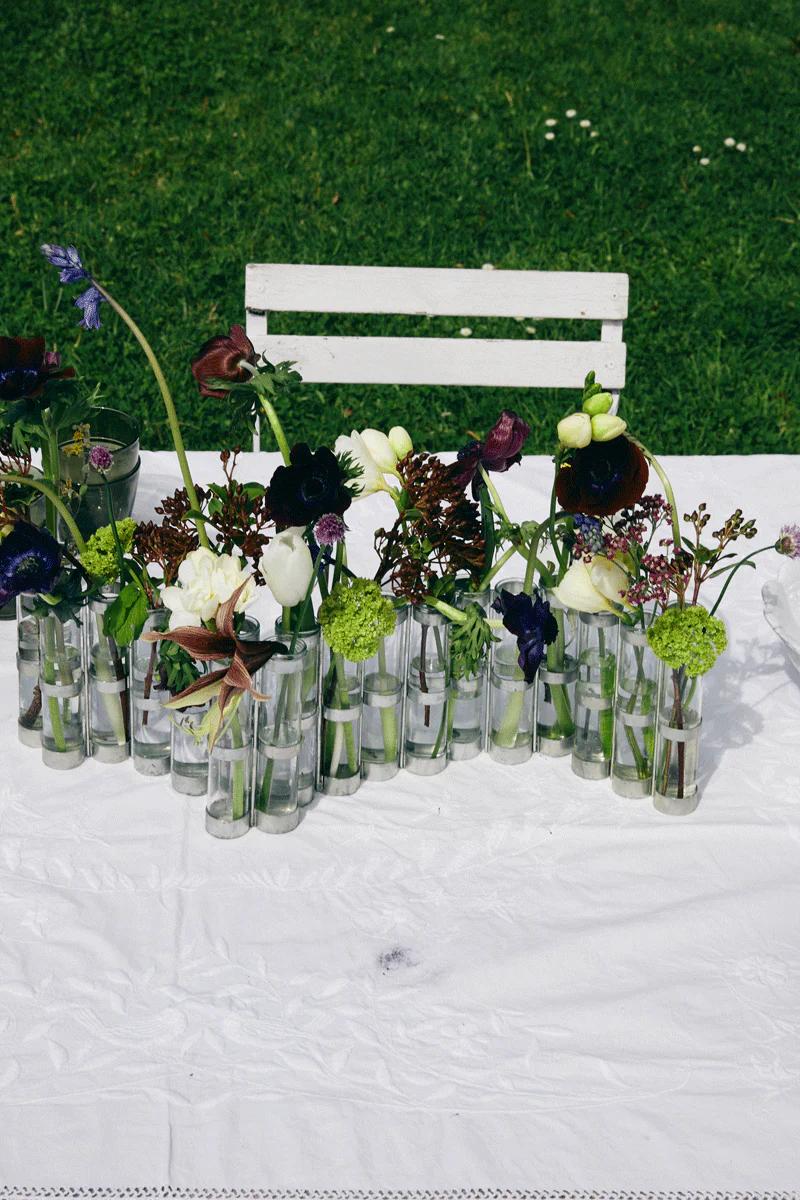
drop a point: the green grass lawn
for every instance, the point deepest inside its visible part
(172, 142)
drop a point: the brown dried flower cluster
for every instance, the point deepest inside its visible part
(165, 545)
(438, 534)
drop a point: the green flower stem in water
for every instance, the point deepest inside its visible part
(641, 757)
(559, 693)
(238, 768)
(108, 669)
(507, 731)
(49, 674)
(343, 738)
(388, 717)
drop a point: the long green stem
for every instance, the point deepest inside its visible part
(55, 500)
(49, 676)
(733, 571)
(276, 427)
(237, 782)
(493, 492)
(169, 405)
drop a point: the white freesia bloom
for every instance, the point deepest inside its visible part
(606, 427)
(380, 448)
(592, 587)
(287, 566)
(575, 431)
(371, 478)
(400, 441)
(206, 580)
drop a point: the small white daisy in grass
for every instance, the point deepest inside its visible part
(696, 149)
(487, 266)
(390, 28)
(741, 146)
(530, 329)
(551, 121)
(571, 112)
(594, 133)
(465, 331)
(704, 162)
(549, 135)
(439, 37)
(730, 141)
(584, 124)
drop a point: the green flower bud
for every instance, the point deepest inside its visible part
(605, 427)
(597, 404)
(575, 431)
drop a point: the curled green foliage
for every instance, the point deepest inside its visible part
(688, 638)
(100, 559)
(355, 617)
(470, 640)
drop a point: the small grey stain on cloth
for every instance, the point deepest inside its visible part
(394, 959)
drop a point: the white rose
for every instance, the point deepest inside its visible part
(371, 478)
(206, 580)
(593, 587)
(287, 566)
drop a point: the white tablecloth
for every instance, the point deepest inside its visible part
(501, 977)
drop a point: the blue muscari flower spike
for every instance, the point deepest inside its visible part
(72, 270)
(68, 259)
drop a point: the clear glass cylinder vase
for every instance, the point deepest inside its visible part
(309, 733)
(229, 772)
(340, 724)
(427, 688)
(188, 755)
(279, 731)
(598, 637)
(556, 678)
(151, 727)
(109, 708)
(29, 721)
(468, 701)
(512, 701)
(634, 714)
(677, 750)
(383, 696)
(61, 668)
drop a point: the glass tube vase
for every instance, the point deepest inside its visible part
(677, 749)
(468, 701)
(188, 756)
(427, 687)
(634, 714)
(309, 725)
(383, 695)
(229, 772)
(340, 724)
(555, 714)
(61, 670)
(150, 721)
(598, 636)
(278, 724)
(29, 721)
(109, 710)
(512, 701)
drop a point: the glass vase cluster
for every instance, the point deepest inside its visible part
(468, 698)
(279, 732)
(61, 683)
(340, 723)
(598, 635)
(556, 679)
(230, 759)
(151, 725)
(635, 709)
(512, 701)
(108, 700)
(427, 692)
(382, 716)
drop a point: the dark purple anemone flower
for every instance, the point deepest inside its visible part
(499, 450)
(30, 560)
(311, 486)
(67, 259)
(529, 620)
(26, 367)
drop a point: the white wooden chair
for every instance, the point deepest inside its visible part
(423, 291)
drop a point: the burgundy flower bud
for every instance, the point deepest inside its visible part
(500, 449)
(220, 358)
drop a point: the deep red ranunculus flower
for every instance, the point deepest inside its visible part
(602, 478)
(499, 450)
(25, 367)
(219, 358)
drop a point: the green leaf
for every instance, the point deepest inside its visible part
(125, 616)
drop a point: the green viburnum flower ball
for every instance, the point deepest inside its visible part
(354, 618)
(100, 558)
(688, 637)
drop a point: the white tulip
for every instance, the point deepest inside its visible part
(287, 566)
(380, 448)
(371, 478)
(592, 587)
(205, 581)
(575, 431)
(605, 427)
(400, 441)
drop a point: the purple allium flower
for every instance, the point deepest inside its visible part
(30, 560)
(68, 260)
(89, 301)
(530, 621)
(330, 529)
(100, 459)
(789, 541)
